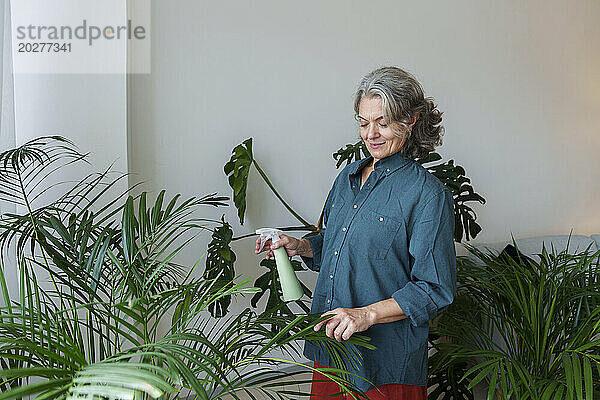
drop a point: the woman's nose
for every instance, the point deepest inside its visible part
(373, 131)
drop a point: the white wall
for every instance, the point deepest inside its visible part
(519, 84)
(89, 109)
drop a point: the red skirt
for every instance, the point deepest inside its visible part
(390, 391)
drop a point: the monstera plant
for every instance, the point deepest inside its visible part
(101, 308)
(221, 256)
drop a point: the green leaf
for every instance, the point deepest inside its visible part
(33, 388)
(482, 374)
(577, 377)
(568, 367)
(121, 380)
(549, 391)
(558, 395)
(492, 386)
(237, 169)
(220, 261)
(128, 232)
(588, 377)
(350, 153)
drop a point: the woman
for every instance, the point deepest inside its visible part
(386, 258)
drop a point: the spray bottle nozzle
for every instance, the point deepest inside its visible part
(266, 234)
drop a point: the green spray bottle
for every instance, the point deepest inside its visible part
(287, 277)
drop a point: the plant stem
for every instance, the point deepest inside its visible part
(264, 176)
(311, 228)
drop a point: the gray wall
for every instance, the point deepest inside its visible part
(519, 84)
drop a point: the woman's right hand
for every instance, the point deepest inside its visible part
(291, 245)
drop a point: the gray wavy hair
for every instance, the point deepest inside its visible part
(402, 98)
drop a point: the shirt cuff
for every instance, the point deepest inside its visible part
(316, 244)
(423, 300)
(415, 302)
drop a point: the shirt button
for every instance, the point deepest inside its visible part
(328, 301)
(380, 218)
(355, 206)
(388, 170)
(331, 276)
(344, 229)
(335, 252)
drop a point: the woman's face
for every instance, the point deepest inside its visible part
(375, 131)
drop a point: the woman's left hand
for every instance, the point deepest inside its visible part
(345, 322)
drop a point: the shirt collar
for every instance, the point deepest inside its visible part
(387, 165)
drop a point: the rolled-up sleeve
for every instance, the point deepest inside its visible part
(316, 240)
(316, 244)
(432, 284)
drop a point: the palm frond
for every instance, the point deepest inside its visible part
(98, 281)
(529, 328)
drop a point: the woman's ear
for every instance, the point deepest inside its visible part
(414, 119)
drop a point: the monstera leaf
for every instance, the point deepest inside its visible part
(453, 176)
(448, 384)
(219, 266)
(270, 281)
(445, 373)
(350, 153)
(237, 170)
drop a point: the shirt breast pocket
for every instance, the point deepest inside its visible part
(378, 231)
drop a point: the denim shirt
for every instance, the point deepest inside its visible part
(392, 238)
